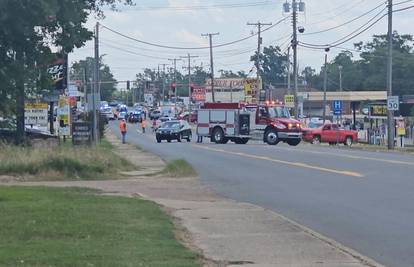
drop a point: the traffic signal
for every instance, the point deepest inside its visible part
(173, 87)
(128, 85)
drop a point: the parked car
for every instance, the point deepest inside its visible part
(8, 131)
(108, 112)
(173, 130)
(330, 133)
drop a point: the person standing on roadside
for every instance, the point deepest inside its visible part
(122, 128)
(143, 124)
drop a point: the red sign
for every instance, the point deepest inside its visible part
(199, 93)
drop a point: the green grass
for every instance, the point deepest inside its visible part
(179, 168)
(43, 226)
(63, 163)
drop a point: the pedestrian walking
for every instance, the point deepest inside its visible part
(143, 125)
(123, 129)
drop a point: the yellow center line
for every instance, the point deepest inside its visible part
(290, 163)
(348, 156)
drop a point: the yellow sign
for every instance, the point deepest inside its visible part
(400, 131)
(250, 87)
(35, 106)
(290, 101)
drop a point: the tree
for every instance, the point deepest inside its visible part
(84, 69)
(27, 30)
(231, 74)
(273, 65)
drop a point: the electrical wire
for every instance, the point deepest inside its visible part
(352, 35)
(347, 22)
(191, 48)
(201, 7)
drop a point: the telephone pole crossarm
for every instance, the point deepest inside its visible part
(259, 43)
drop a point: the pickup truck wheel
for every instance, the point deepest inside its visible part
(348, 141)
(218, 136)
(271, 137)
(293, 142)
(316, 140)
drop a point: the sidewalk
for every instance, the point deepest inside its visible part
(225, 232)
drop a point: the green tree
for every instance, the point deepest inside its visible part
(273, 65)
(84, 69)
(27, 30)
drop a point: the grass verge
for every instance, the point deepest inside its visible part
(76, 227)
(179, 168)
(62, 163)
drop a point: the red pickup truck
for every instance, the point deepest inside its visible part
(330, 133)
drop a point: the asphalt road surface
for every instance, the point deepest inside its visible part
(364, 200)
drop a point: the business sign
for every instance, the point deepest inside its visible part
(250, 87)
(36, 114)
(290, 101)
(199, 94)
(81, 133)
(337, 107)
(57, 71)
(226, 83)
(400, 125)
(379, 110)
(393, 103)
(63, 116)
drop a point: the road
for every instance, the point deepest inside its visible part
(361, 199)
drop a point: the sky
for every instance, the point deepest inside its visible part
(180, 23)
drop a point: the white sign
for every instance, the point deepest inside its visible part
(36, 114)
(393, 103)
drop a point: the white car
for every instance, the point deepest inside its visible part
(108, 112)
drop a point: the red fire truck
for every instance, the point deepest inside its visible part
(224, 122)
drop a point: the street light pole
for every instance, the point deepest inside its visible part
(325, 81)
(390, 113)
(295, 56)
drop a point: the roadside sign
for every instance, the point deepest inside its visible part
(290, 101)
(36, 114)
(337, 107)
(393, 103)
(81, 133)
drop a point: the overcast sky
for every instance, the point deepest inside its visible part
(180, 23)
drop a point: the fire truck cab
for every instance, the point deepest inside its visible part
(274, 123)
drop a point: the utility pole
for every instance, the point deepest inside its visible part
(210, 36)
(295, 56)
(340, 78)
(96, 91)
(259, 42)
(325, 81)
(390, 113)
(288, 70)
(189, 57)
(174, 60)
(163, 81)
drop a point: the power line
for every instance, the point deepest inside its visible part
(350, 36)
(347, 22)
(191, 48)
(204, 7)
